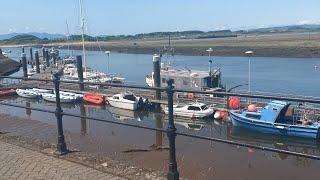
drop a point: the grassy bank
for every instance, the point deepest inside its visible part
(271, 45)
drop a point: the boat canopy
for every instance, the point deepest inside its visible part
(273, 111)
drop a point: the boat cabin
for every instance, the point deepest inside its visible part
(273, 112)
(197, 107)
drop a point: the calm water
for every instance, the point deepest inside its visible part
(197, 159)
(268, 74)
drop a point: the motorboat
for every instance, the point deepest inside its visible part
(278, 118)
(193, 110)
(125, 101)
(63, 99)
(26, 93)
(93, 98)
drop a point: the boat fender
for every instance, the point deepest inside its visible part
(217, 115)
(252, 108)
(107, 101)
(191, 95)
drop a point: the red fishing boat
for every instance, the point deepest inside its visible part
(8, 92)
(93, 98)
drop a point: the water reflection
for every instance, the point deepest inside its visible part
(209, 127)
(28, 110)
(83, 120)
(308, 146)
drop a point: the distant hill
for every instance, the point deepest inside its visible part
(18, 38)
(284, 29)
(22, 39)
(37, 34)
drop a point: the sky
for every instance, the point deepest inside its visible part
(114, 17)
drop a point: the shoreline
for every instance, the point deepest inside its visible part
(290, 45)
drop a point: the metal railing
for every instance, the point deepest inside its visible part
(170, 130)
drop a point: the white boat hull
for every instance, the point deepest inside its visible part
(63, 99)
(189, 113)
(27, 93)
(123, 105)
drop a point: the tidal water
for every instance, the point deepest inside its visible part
(197, 159)
(296, 76)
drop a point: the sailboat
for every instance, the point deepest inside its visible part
(89, 75)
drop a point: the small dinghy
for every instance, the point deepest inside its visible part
(27, 93)
(125, 101)
(75, 95)
(63, 99)
(93, 98)
(8, 92)
(194, 110)
(40, 91)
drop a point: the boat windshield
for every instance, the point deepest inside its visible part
(130, 97)
(204, 107)
(194, 108)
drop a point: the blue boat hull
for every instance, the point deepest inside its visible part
(278, 129)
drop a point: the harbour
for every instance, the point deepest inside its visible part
(155, 145)
(160, 90)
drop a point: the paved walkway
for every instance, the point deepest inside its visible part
(20, 163)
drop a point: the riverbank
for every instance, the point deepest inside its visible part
(8, 66)
(302, 45)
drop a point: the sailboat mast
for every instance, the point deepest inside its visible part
(82, 35)
(68, 34)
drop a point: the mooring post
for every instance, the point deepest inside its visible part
(80, 72)
(47, 57)
(31, 57)
(24, 65)
(173, 173)
(156, 77)
(36, 56)
(61, 146)
(43, 55)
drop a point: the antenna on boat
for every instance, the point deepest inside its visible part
(210, 61)
(82, 35)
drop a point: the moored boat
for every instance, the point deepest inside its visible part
(277, 117)
(93, 98)
(71, 94)
(38, 90)
(194, 110)
(63, 99)
(125, 101)
(27, 93)
(8, 92)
